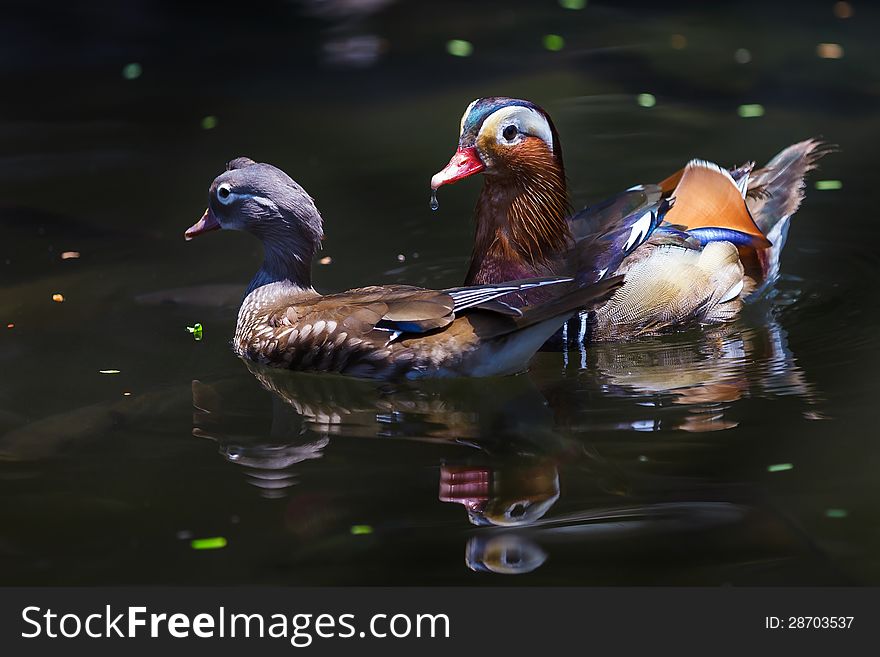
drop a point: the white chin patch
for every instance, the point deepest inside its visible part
(526, 120)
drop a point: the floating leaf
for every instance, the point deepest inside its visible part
(132, 71)
(358, 530)
(829, 51)
(209, 123)
(212, 543)
(836, 513)
(779, 467)
(742, 56)
(843, 9)
(826, 185)
(572, 4)
(646, 100)
(459, 48)
(750, 111)
(554, 42)
(197, 331)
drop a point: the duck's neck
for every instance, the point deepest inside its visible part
(287, 257)
(521, 225)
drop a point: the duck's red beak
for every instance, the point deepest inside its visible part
(207, 223)
(464, 163)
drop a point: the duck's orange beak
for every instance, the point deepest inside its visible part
(207, 223)
(464, 163)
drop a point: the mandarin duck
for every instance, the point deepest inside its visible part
(691, 248)
(378, 332)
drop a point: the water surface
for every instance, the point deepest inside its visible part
(745, 454)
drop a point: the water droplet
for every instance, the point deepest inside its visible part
(434, 202)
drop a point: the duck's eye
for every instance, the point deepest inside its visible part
(510, 133)
(224, 194)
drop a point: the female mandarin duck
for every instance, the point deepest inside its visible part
(719, 242)
(377, 332)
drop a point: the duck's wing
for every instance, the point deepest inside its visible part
(609, 231)
(381, 314)
(711, 205)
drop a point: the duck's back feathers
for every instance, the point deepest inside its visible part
(608, 232)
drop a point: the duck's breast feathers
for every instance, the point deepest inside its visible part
(711, 205)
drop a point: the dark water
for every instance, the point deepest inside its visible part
(744, 455)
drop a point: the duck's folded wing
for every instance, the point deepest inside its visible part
(711, 205)
(483, 296)
(609, 231)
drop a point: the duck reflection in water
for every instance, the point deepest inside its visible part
(690, 381)
(509, 416)
(502, 450)
(505, 495)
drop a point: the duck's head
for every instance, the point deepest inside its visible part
(260, 199)
(503, 137)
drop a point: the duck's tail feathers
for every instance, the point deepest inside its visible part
(775, 193)
(673, 288)
(776, 190)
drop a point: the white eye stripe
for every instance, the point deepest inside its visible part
(230, 197)
(464, 116)
(526, 120)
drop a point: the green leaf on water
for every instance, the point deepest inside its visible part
(825, 185)
(554, 42)
(132, 71)
(212, 543)
(459, 48)
(779, 467)
(836, 513)
(197, 331)
(750, 111)
(359, 530)
(646, 100)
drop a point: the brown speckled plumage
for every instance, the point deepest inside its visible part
(362, 332)
(379, 332)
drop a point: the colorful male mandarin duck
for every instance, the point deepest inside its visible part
(379, 332)
(690, 248)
